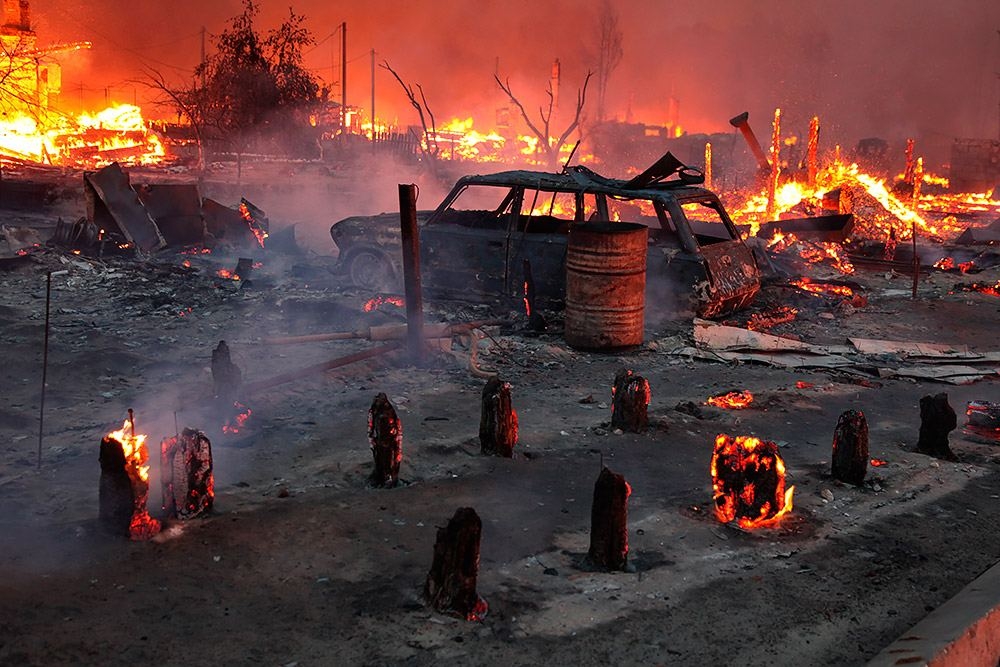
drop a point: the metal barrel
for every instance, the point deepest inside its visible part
(605, 285)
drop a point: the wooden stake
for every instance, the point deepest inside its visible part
(385, 434)
(850, 448)
(498, 423)
(629, 401)
(450, 586)
(609, 521)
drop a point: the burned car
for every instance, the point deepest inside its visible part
(473, 246)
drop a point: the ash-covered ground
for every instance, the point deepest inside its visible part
(303, 563)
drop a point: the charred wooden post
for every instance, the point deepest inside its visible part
(385, 433)
(498, 423)
(411, 272)
(451, 583)
(937, 420)
(124, 485)
(748, 481)
(226, 376)
(609, 521)
(115, 496)
(187, 480)
(629, 401)
(850, 448)
(535, 320)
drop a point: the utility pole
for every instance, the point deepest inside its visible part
(343, 75)
(374, 127)
(203, 57)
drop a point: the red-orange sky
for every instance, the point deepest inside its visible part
(891, 68)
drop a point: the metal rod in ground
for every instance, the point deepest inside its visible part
(916, 260)
(291, 376)
(45, 364)
(411, 272)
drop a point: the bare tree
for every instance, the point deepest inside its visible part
(429, 145)
(186, 102)
(550, 145)
(19, 76)
(609, 53)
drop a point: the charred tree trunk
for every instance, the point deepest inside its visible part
(629, 400)
(498, 423)
(850, 448)
(609, 521)
(186, 474)
(451, 583)
(226, 376)
(937, 420)
(385, 433)
(115, 496)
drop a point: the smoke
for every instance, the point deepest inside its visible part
(892, 69)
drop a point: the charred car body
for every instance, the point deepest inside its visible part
(474, 244)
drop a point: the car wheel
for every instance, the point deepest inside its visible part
(371, 270)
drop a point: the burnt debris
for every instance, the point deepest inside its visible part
(850, 448)
(385, 434)
(498, 423)
(937, 420)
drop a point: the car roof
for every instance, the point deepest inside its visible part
(581, 179)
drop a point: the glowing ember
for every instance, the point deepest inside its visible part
(992, 290)
(804, 385)
(227, 274)
(257, 227)
(376, 301)
(948, 264)
(236, 423)
(733, 400)
(878, 463)
(771, 318)
(748, 482)
(823, 288)
(133, 447)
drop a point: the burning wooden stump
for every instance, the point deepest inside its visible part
(186, 469)
(850, 448)
(498, 423)
(385, 433)
(629, 400)
(937, 420)
(451, 583)
(748, 481)
(983, 419)
(124, 486)
(609, 521)
(226, 376)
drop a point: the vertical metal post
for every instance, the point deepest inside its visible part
(411, 272)
(45, 364)
(343, 75)
(374, 126)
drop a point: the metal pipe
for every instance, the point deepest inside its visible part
(45, 364)
(411, 271)
(740, 123)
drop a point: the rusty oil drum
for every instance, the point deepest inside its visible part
(605, 285)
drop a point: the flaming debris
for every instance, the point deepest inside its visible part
(748, 482)
(124, 488)
(733, 400)
(376, 301)
(236, 423)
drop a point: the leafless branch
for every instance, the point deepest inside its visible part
(431, 149)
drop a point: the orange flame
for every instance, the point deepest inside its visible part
(748, 482)
(142, 525)
(234, 424)
(822, 288)
(733, 400)
(376, 301)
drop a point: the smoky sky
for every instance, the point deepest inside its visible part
(869, 68)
